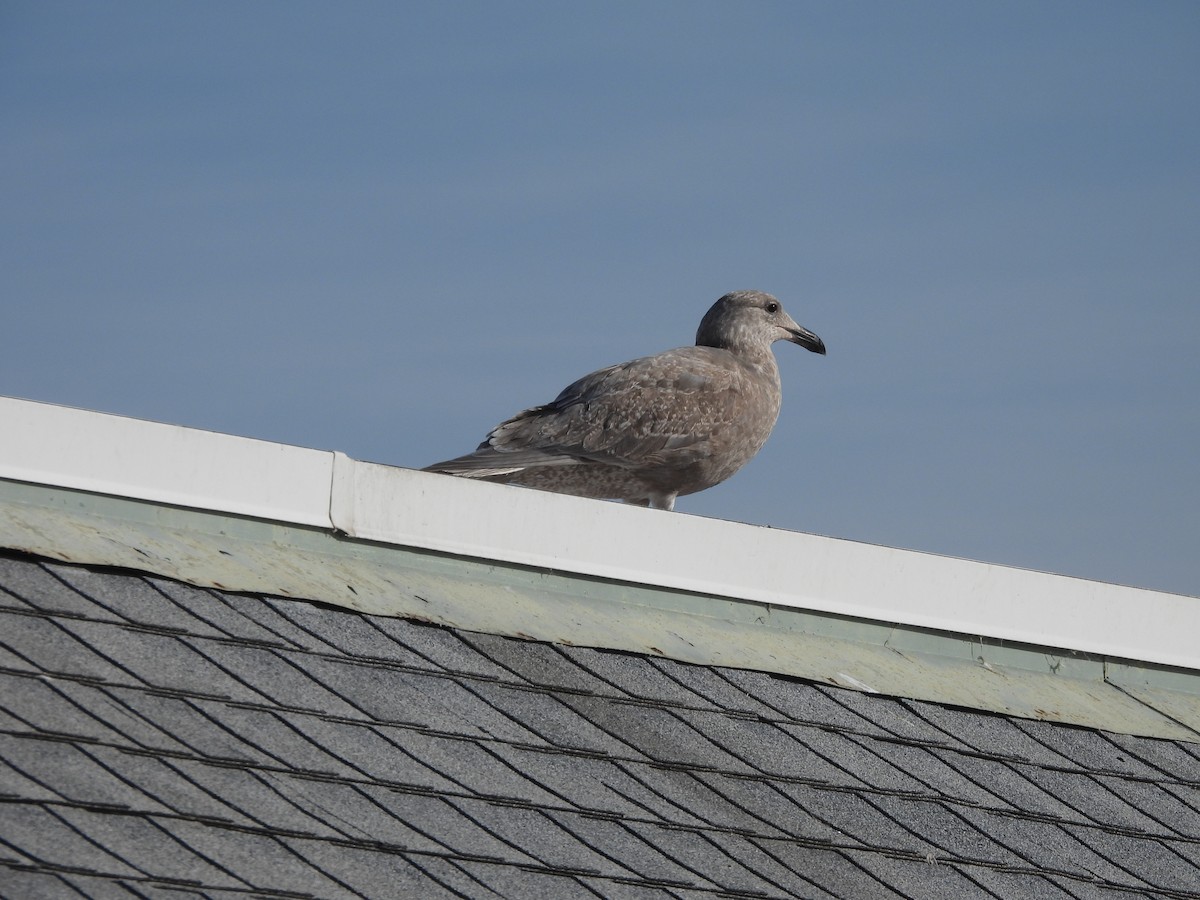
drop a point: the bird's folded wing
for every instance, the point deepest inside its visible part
(646, 412)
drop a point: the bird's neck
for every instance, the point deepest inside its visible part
(760, 360)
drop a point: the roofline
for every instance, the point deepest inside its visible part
(59, 446)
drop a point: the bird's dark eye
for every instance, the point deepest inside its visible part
(772, 307)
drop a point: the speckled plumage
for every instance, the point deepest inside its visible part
(655, 428)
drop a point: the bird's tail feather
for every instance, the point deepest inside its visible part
(494, 464)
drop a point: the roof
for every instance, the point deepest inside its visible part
(517, 703)
(186, 468)
(249, 515)
(158, 735)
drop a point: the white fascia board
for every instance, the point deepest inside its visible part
(107, 454)
(768, 565)
(56, 445)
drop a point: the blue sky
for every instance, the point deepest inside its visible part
(383, 228)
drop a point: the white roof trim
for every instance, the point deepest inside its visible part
(54, 445)
(46, 444)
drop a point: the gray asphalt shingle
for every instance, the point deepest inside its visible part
(225, 744)
(768, 803)
(710, 683)
(49, 646)
(278, 628)
(44, 706)
(162, 661)
(34, 583)
(272, 730)
(833, 870)
(133, 600)
(160, 780)
(443, 647)
(34, 885)
(216, 610)
(637, 677)
(273, 674)
(591, 784)
(655, 732)
(199, 734)
(370, 872)
(537, 664)
(73, 772)
(555, 721)
(39, 834)
(369, 754)
(360, 812)
(253, 859)
(1009, 783)
(1174, 758)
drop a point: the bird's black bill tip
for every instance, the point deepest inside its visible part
(807, 340)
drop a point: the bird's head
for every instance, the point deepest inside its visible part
(752, 320)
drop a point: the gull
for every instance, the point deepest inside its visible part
(656, 428)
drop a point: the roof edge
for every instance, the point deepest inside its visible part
(249, 555)
(121, 457)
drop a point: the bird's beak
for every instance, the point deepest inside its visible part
(805, 338)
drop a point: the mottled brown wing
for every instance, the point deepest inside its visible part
(651, 411)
